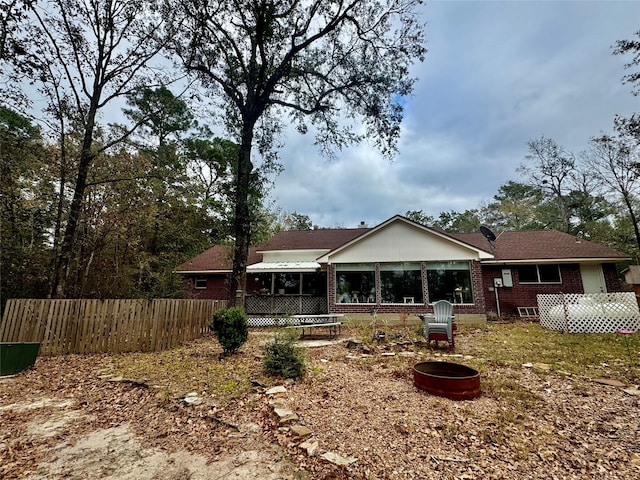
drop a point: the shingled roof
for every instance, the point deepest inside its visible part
(215, 259)
(530, 245)
(328, 239)
(219, 257)
(541, 245)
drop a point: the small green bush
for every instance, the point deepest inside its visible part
(231, 328)
(282, 357)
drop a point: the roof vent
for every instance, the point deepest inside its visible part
(363, 225)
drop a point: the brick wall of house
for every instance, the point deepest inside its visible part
(482, 279)
(611, 277)
(217, 288)
(411, 309)
(479, 295)
(525, 295)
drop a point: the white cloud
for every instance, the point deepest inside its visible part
(496, 75)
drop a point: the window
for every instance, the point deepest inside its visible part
(449, 281)
(401, 283)
(539, 274)
(355, 283)
(200, 283)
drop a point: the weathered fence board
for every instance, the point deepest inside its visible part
(97, 326)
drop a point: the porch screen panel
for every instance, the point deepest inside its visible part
(260, 282)
(287, 283)
(314, 284)
(355, 283)
(450, 281)
(401, 283)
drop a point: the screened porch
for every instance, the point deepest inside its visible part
(286, 293)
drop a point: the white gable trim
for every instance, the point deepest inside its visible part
(471, 252)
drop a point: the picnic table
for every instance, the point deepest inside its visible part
(330, 321)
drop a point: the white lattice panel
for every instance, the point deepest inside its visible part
(265, 321)
(277, 305)
(589, 313)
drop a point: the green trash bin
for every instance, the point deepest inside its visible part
(18, 356)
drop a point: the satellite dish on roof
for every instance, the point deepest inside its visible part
(489, 235)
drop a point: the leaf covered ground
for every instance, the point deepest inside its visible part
(541, 414)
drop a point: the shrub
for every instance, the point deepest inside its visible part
(231, 328)
(282, 356)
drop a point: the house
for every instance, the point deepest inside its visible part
(399, 267)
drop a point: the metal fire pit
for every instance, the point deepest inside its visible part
(451, 380)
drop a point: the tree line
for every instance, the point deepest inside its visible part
(155, 201)
(96, 207)
(593, 194)
(339, 69)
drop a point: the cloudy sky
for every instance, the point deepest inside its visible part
(496, 75)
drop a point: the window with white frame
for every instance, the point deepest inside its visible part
(543, 273)
(200, 283)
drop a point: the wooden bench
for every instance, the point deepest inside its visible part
(329, 321)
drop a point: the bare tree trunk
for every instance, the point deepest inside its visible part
(61, 271)
(632, 215)
(59, 209)
(238, 278)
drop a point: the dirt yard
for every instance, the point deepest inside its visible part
(66, 419)
(95, 416)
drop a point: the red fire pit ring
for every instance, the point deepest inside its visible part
(450, 380)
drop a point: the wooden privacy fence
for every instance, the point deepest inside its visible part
(99, 326)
